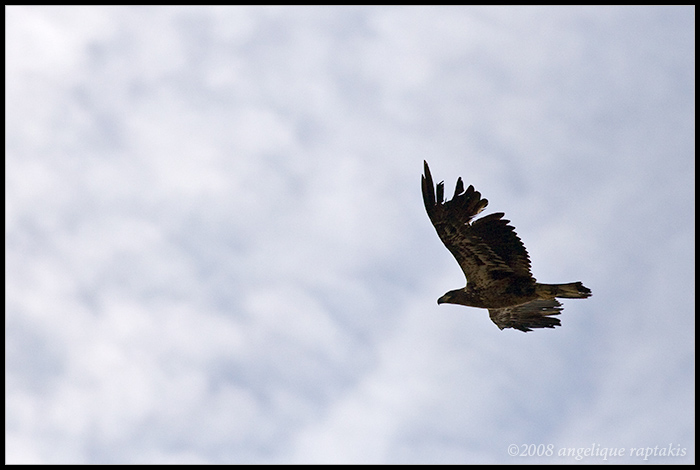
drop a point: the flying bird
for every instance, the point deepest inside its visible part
(494, 260)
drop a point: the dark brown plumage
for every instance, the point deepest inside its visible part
(494, 260)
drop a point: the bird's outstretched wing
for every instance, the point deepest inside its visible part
(486, 249)
(535, 314)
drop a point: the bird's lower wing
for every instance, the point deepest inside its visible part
(525, 317)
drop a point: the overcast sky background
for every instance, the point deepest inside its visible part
(217, 251)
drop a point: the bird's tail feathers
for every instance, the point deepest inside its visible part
(572, 290)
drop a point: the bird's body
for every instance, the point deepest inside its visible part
(494, 260)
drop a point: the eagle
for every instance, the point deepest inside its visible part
(494, 260)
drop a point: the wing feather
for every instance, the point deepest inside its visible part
(486, 249)
(534, 314)
(459, 189)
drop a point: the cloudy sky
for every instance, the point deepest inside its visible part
(217, 252)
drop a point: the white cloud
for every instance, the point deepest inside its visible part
(216, 250)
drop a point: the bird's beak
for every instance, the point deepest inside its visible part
(443, 300)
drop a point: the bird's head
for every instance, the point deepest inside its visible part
(465, 296)
(450, 297)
